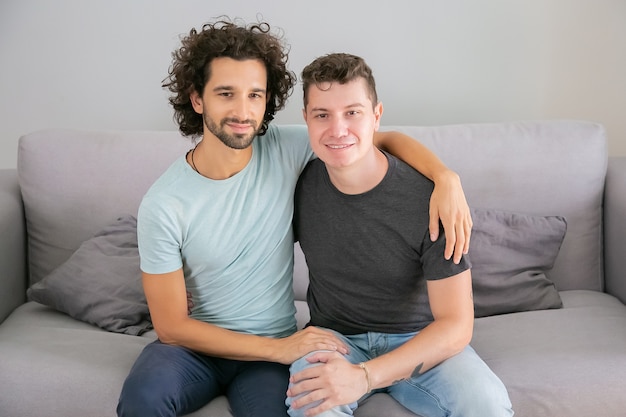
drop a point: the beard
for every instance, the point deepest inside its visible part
(234, 141)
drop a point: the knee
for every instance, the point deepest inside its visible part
(137, 400)
(486, 401)
(302, 363)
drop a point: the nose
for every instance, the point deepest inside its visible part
(241, 108)
(338, 127)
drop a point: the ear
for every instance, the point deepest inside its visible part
(196, 101)
(304, 114)
(378, 114)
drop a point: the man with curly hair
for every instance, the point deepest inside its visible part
(215, 233)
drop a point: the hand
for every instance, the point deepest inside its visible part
(448, 203)
(335, 381)
(190, 303)
(306, 341)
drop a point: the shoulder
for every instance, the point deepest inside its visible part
(169, 179)
(401, 170)
(288, 143)
(312, 169)
(286, 136)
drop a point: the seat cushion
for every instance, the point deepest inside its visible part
(560, 363)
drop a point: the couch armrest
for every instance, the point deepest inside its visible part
(615, 228)
(13, 278)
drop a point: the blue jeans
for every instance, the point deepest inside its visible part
(171, 381)
(461, 386)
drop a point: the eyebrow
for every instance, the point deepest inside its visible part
(231, 88)
(350, 106)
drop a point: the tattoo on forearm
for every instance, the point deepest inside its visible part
(417, 370)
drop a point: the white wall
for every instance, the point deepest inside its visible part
(98, 64)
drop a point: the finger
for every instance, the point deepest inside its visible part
(331, 339)
(468, 234)
(450, 241)
(433, 225)
(304, 380)
(460, 243)
(315, 398)
(325, 345)
(338, 346)
(322, 404)
(322, 357)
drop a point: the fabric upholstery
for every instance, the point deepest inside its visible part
(510, 254)
(565, 362)
(101, 282)
(541, 168)
(92, 179)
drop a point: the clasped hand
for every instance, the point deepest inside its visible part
(334, 381)
(308, 340)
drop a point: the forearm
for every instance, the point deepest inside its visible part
(415, 154)
(215, 341)
(168, 303)
(433, 345)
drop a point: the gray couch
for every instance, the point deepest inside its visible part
(557, 362)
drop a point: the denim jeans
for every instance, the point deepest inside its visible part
(171, 380)
(461, 386)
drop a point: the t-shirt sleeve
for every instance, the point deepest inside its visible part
(158, 237)
(294, 143)
(434, 265)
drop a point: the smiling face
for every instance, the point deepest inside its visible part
(234, 100)
(341, 121)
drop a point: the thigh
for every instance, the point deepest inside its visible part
(169, 380)
(259, 389)
(462, 385)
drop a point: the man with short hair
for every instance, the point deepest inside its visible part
(377, 280)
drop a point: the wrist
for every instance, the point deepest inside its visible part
(366, 370)
(445, 175)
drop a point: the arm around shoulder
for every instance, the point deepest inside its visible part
(448, 202)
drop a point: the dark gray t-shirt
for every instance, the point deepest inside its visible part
(369, 255)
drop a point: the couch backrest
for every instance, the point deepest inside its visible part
(76, 182)
(545, 168)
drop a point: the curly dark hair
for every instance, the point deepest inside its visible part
(341, 68)
(190, 69)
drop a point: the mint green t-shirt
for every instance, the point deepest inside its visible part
(233, 237)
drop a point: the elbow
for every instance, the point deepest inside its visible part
(463, 337)
(167, 334)
(164, 336)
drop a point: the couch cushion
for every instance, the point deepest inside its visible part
(510, 254)
(560, 363)
(70, 367)
(101, 282)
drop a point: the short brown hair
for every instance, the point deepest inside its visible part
(341, 68)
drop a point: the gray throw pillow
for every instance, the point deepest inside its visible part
(510, 253)
(101, 282)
